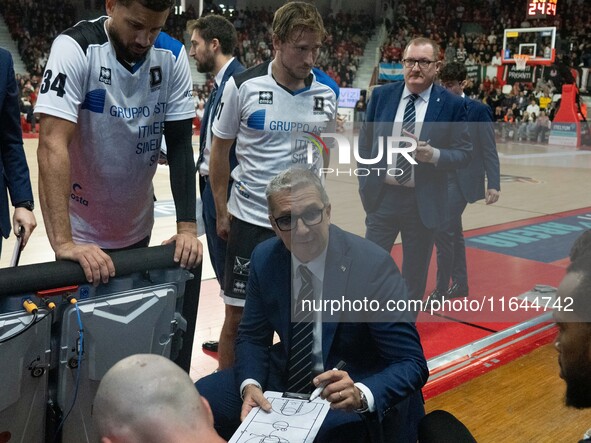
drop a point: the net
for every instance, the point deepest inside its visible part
(521, 61)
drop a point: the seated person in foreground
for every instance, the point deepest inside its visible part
(146, 398)
(385, 366)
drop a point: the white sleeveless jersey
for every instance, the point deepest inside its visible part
(273, 127)
(119, 114)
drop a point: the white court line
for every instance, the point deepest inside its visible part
(544, 155)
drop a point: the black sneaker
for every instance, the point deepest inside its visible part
(211, 346)
(457, 290)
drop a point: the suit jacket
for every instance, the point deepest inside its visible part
(444, 127)
(484, 154)
(233, 68)
(13, 163)
(385, 356)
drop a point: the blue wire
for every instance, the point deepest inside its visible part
(80, 350)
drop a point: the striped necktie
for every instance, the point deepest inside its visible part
(302, 328)
(408, 124)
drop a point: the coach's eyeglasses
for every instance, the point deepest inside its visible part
(423, 64)
(310, 218)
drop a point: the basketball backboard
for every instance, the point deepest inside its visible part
(538, 43)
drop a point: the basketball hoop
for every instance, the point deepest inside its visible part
(521, 61)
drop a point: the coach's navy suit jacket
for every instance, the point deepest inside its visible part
(484, 153)
(13, 163)
(444, 127)
(235, 67)
(387, 356)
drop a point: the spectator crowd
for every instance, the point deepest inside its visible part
(468, 32)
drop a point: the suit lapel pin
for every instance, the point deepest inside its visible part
(343, 268)
(438, 100)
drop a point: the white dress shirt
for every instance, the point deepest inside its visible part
(421, 105)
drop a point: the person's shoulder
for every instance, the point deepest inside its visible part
(167, 43)
(268, 250)
(440, 91)
(236, 67)
(356, 245)
(478, 106)
(388, 90)
(478, 111)
(254, 72)
(88, 32)
(325, 79)
(5, 54)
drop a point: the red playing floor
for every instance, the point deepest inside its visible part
(495, 281)
(440, 336)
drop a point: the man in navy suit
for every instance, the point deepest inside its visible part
(13, 163)
(385, 366)
(412, 199)
(465, 186)
(213, 39)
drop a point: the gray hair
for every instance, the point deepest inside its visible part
(292, 179)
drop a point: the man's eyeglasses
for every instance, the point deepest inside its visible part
(423, 64)
(310, 218)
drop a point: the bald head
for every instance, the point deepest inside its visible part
(147, 398)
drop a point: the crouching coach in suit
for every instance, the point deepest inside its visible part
(385, 366)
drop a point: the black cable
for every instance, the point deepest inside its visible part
(33, 322)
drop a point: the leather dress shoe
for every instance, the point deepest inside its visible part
(435, 295)
(457, 290)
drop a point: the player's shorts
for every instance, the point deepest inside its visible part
(242, 240)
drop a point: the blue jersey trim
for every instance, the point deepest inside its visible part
(165, 41)
(137, 66)
(257, 120)
(325, 79)
(94, 101)
(299, 91)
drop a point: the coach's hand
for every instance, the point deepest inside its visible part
(189, 250)
(253, 397)
(95, 263)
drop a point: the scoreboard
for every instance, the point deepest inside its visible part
(541, 8)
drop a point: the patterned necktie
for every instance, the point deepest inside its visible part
(302, 328)
(205, 126)
(408, 124)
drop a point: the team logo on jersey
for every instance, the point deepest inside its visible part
(155, 76)
(105, 75)
(241, 265)
(239, 287)
(318, 104)
(265, 97)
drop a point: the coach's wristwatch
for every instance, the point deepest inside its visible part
(364, 404)
(27, 204)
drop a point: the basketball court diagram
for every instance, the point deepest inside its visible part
(290, 421)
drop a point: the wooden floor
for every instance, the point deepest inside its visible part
(519, 402)
(522, 401)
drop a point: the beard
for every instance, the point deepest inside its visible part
(124, 51)
(578, 389)
(207, 64)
